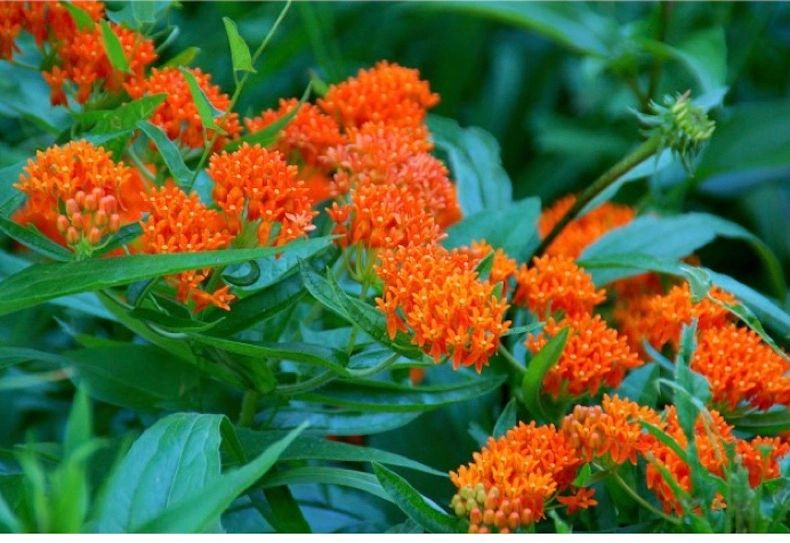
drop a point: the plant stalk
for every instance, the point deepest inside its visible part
(249, 407)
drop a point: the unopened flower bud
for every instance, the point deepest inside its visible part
(94, 237)
(91, 204)
(101, 218)
(62, 223)
(79, 198)
(72, 235)
(115, 222)
(72, 207)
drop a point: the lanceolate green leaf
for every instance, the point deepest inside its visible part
(80, 16)
(124, 117)
(170, 153)
(202, 509)
(205, 108)
(31, 237)
(342, 422)
(328, 476)
(507, 419)
(184, 58)
(43, 282)
(239, 51)
(542, 362)
(413, 503)
(113, 48)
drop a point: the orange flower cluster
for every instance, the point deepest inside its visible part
(12, 21)
(178, 115)
(739, 366)
(511, 478)
(97, 194)
(387, 92)
(179, 223)
(255, 185)
(594, 355)
(509, 482)
(502, 267)
(437, 296)
(581, 232)
(556, 283)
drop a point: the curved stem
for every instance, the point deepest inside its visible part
(641, 501)
(511, 360)
(637, 156)
(308, 385)
(377, 368)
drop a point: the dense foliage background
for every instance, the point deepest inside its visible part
(557, 86)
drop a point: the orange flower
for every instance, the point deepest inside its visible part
(304, 141)
(556, 283)
(502, 268)
(761, 456)
(255, 184)
(386, 92)
(581, 498)
(96, 193)
(436, 296)
(660, 318)
(594, 355)
(180, 223)
(741, 368)
(511, 478)
(178, 115)
(12, 20)
(52, 20)
(582, 232)
(425, 174)
(611, 431)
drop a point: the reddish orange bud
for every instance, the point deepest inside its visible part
(62, 224)
(91, 204)
(72, 207)
(72, 235)
(101, 218)
(115, 222)
(94, 237)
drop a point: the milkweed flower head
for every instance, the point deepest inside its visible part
(581, 232)
(256, 185)
(178, 115)
(502, 266)
(77, 194)
(387, 92)
(595, 355)
(436, 296)
(304, 141)
(508, 482)
(12, 21)
(178, 222)
(556, 283)
(740, 367)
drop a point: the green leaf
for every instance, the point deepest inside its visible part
(541, 363)
(342, 422)
(9, 523)
(144, 11)
(78, 425)
(202, 509)
(184, 58)
(473, 154)
(170, 154)
(10, 356)
(327, 476)
(31, 237)
(413, 503)
(43, 282)
(113, 48)
(639, 385)
(171, 462)
(584, 476)
(139, 377)
(239, 51)
(512, 228)
(127, 234)
(125, 117)
(767, 310)
(205, 108)
(80, 16)
(269, 134)
(507, 419)
(319, 448)
(763, 423)
(384, 396)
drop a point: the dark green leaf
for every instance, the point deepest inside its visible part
(31, 237)
(542, 362)
(327, 476)
(507, 419)
(342, 422)
(78, 425)
(170, 154)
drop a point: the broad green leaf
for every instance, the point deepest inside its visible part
(171, 462)
(269, 134)
(481, 181)
(311, 475)
(507, 419)
(31, 237)
(113, 48)
(184, 58)
(208, 113)
(139, 377)
(385, 396)
(639, 385)
(43, 282)
(541, 363)
(80, 16)
(342, 422)
(170, 154)
(512, 228)
(125, 117)
(319, 448)
(413, 503)
(239, 50)
(202, 509)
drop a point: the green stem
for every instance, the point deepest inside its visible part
(511, 360)
(629, 162)
(377, 368)
(308, 385)
(641, 501)
(249, 408)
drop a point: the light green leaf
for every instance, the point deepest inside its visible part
(125, 117)
(113, 48)
(184, 58)
(80, 16)
(239, 50)
(541, 363)
(170, 154)
(208, 113)
(78, 426)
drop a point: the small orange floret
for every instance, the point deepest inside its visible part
(256, 184)
(12, 21)
(761, 457)
(52, 21)
(556, 283)
(580, 233)
(594, 356)
(96, 193)
(508, 482)
(178, 115)
(435, 295)
(580, 498)
(387, 92)
(180, 223)
(502, 268)
(740, 367)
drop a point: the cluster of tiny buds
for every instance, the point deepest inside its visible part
(89, 216)
(488, 511)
